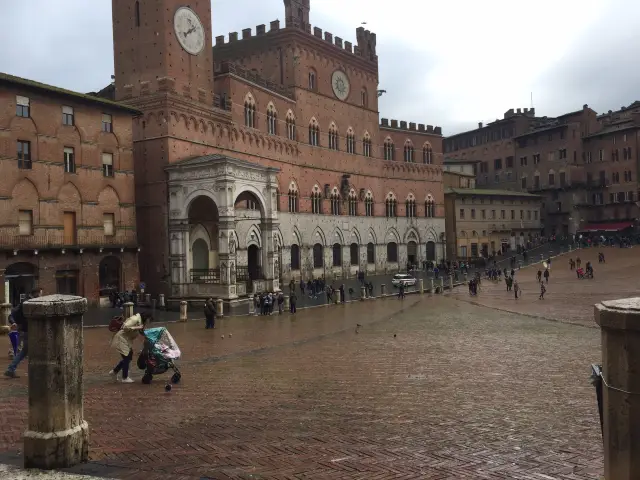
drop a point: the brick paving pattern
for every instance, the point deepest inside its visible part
(568, 299)
(462, 392)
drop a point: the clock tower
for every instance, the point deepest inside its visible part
(163, 46)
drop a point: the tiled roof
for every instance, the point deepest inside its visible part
(489, 192)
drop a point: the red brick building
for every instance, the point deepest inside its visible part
(263, 159)
(67, 214)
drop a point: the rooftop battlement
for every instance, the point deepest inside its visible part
(220, 68)
(365, 47)
(529, 112)
(411, 126)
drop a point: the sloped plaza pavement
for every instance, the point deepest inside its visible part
(431, 387)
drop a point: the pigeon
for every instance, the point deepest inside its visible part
(357, 327)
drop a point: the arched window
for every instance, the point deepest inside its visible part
(392, 252)
(408, 151)
(318, 256)
(294, 204)
(314, 133)
(391, 206)
(295, 257)
(366, 145)
(353, 203)
(337, 255)
(368, 204)
(371, 253)
(312, 80)
(291, 126)
(389, 150)
(429, 207)
(351, 141)
(364, 98)
(333, 137)
(272, 120)
(552, 178)
(249, 111)
(410, 206)
(316, 200)
(335, 201)
(427, 154)
(354, 254)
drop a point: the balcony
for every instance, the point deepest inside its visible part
(55, 240)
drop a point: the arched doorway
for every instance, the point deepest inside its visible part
(110, 274)
(412, 253)
(254, 262)
(22, 278)
(337, 255)
(431, 251)
(295, 257)
(354, 254)
(200, 255)
(318, 260)
(392, 252)
(203, 234)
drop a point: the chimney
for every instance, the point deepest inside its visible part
(394, 123)
(585, 106)
(233, 37)
(412, 126)
(429, 128)
(274, 25)
(246, 33)
(220, 40)
(437, 130)
(479, 124)
(421, 127)
(261, 29)
(519, 110)
(385, 122)
(403, 124)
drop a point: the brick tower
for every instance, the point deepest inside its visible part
(297, 13)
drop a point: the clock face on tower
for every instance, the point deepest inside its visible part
(340, 84)
(189, 30)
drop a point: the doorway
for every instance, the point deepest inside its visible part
(412, 253)
(254, 262)
(70, 237)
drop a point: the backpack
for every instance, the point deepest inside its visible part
(115, 325)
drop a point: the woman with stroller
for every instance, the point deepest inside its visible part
(122, 341)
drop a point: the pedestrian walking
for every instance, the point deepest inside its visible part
(539, 276)
(292, 303)
(401, 290)
(280, 302)
(22, 327)
(543, 290)
(516, 289)
(546, 275)
(342, 293)
(122, 342)
(210, 313)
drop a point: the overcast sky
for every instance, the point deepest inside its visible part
(451, 63)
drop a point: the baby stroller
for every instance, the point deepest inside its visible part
(158, 355)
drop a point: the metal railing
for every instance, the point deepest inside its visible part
(197, 275)
(57, 240)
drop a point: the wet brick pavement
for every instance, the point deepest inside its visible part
(567, 299)
(462, 392)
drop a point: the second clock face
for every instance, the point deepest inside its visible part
(189, 30)
(340, 84)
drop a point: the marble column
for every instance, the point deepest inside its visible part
(57, 435)
(619, 321)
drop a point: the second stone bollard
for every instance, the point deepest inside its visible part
(147, 298)
(465, 277)
(363, 292)
(431, 290)
(128, 310)
(451, 283)
(57, 435)
(421, 285)
(441, 285)
(161, 301)
(383, 290)
(287, 303)
(219, 308)
(183, 311)
(619, 321)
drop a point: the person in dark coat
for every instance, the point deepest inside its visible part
(210, 313)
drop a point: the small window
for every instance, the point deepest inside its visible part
(69, 160)
(67, 115)
(462, 213)
(22, 106)
(272, 122)
(25, 222)
(312, 80)
(107, 123)
(108, 220)
(363, 98)
(24, 155)
(107, 164)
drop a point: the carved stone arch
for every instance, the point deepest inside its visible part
(185, 119)
(253, 237)
(260, 196)
(199, 232)
(318, 236)
(337, 237)
(278, 238)
(212, 128)
(355, 233)
(249, 99)
(411, 234)
(297, 237)
(193, 195)
(203, 126)
(432, 235)
(372, 237)
(392, 235)
(193, 123)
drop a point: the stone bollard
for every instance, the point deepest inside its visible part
(363, 292)
(336, 297)
(57, 435)
(431, 290)
(465, 277)
(219, 308)
(383, 290)
(252, 306)
(619, 321)
(441, 284)
(451, 283)
(287, 303)
(161, 303)
(147, 298)
(183, 311)
(421, 285)
(6, 311)
(128, 310)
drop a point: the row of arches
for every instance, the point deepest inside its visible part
(26, 188)
(334, 139)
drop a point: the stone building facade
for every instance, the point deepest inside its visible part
(67, 213)
(584, 167)
(270, 152)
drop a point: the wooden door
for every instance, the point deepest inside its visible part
(69, 228)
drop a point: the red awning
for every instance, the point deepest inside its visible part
(606, 227)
